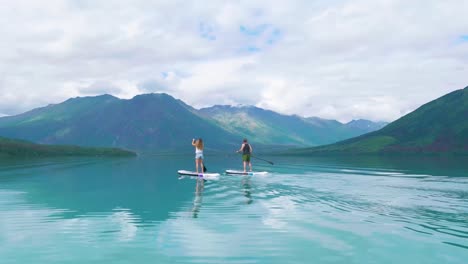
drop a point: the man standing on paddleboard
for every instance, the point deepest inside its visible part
(246, 149)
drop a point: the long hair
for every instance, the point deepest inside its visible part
(199, 143)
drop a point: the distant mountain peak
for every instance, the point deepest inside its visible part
(232, 108)
(247, 106)
(154, 95)
(366, 125)
(96, 99)
(237, 106)
(102, 96)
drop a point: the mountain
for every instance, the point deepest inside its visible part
(146, 122)
(268, 127)
(366, 126)
(159, 122)
(440, 126)
(20, 148)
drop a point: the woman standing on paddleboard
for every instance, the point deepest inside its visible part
(246, 149)
(198, 144)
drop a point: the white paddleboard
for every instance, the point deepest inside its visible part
(201, 175)
(237, 172)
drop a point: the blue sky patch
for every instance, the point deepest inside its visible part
(274, 36)
(206, 31)
(254, 31)
(258, 37)
(253, 49)
(464, 37)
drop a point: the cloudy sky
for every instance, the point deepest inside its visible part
(374, 59)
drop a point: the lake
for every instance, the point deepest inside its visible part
(307, 210)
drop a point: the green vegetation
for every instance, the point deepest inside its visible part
(440, 126)
(367, 145)
(19, 148)
(271, 128)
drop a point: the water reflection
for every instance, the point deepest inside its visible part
(98, 186)
(199, 187)
(247, 188)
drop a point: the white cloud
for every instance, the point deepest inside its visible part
(334, 59)
(100, 87)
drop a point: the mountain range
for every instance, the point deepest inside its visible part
(159, 122)
(271, 128)
(440, 126)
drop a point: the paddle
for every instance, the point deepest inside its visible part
(262, 159)
(204, 168)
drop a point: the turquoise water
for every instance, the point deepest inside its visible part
(366, 210)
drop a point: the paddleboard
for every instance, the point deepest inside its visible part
(195, 174)
(237, 172)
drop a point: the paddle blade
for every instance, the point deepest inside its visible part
(204, 168)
